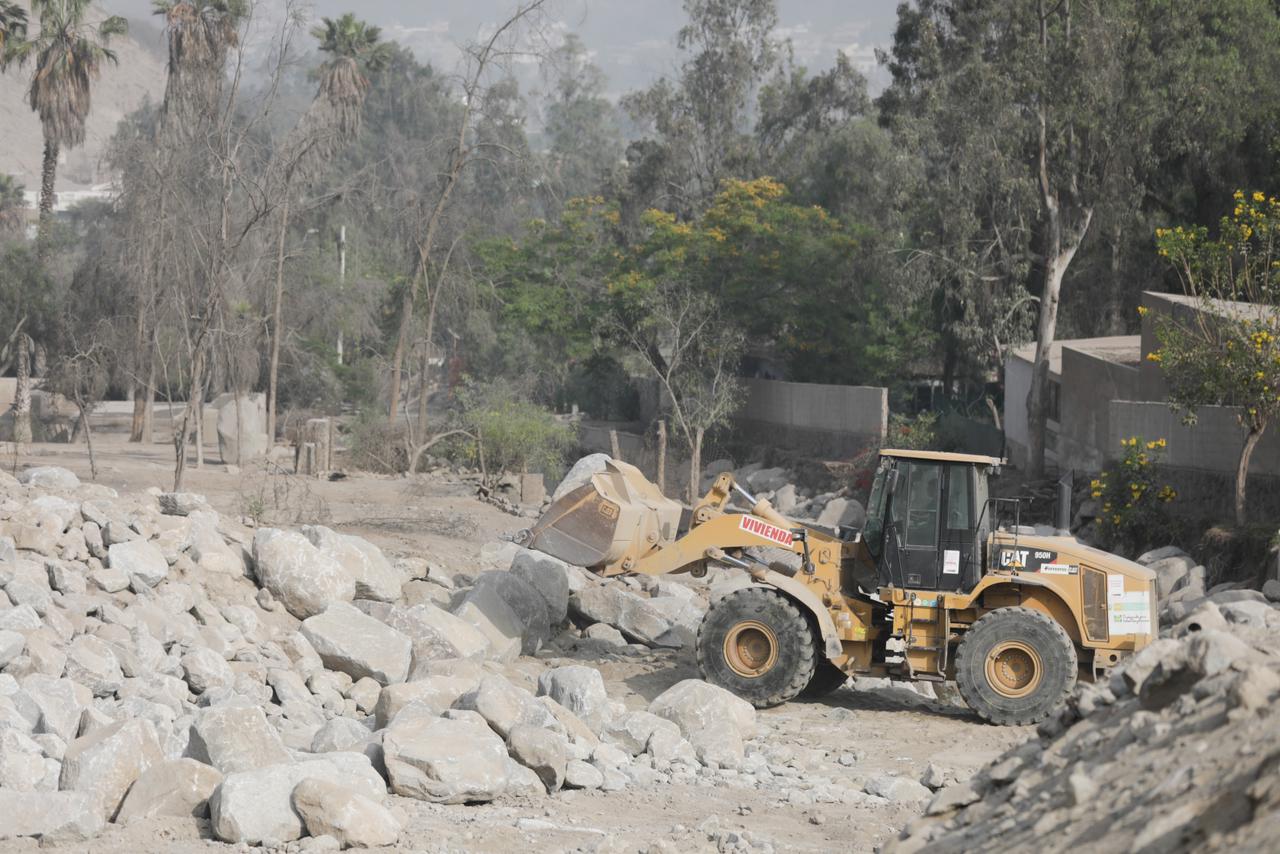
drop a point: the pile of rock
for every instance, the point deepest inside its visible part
(828, 509)
(157, 658)
(1177, 750)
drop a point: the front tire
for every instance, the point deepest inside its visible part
(1014, 666)
(756, 643)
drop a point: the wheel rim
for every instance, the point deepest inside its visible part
(750, 649)
(1014, 669)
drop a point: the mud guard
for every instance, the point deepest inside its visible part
(809, 601)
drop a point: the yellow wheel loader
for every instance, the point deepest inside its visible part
(941, 583)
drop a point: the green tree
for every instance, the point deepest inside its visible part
(584, 142)
(12, 204)
(13, 24)
(68, 53)
(1227, 351)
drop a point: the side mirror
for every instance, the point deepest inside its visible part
(891, 485)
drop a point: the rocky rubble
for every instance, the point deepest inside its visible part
(157, 659)
(1177, 750)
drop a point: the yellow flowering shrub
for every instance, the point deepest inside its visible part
(1134, 509)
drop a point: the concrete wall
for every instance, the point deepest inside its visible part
(1213, 444)
(1089, 385)
(832, 419)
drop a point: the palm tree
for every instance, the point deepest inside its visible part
(13, 25)
(200, 32)
(352, 48)
(68, 53)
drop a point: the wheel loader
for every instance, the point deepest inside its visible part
(940, 583)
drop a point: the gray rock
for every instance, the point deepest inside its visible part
(242, 428)
(630, 614)
(951, 798)
(350, 641)
(353, 819)
(109, 580)
(1148, 558)
(533, 625)
(581, 472)
(105, 763)
(206, 670)
(442, 760)
(374, 576)
(181, 503)
(52, 478)
(713, 720)
(340, 734)
(579, 689)
(437, 693)
(235, 738)
(51, 816)
(11, 646)
(1170, 573)
(604, 633)
(582, 775)
(92, 663)
(842, 512)
(256, 806)
(550, 577)
(303, 579)
(1271, 590)
(434, 634)
(209, 550)
(52, 705)
(485, 609)
(542, 751)
(897, 789)
(139, 560)
(632, 731)
(504, 706)
(21, 760)
(175, 787)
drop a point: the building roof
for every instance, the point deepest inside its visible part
(1225, 308)
(943, 456)
(1121, 349)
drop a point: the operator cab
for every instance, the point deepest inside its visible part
(927, 520)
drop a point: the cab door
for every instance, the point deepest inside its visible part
(959, 565)
(913, 558)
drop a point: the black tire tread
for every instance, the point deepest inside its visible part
(749, 602)
(1002, 621)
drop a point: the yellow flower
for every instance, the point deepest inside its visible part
(1258, 197)
(1238, 195)
(1154, 357)
(1142, 311)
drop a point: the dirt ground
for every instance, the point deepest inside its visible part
(888, 729)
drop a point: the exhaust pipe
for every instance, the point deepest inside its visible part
(1066, 485)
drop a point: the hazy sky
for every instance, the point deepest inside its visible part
(632, 40)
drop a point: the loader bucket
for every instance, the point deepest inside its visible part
(614, 518)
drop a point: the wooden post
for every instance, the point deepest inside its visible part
(613, 445)
(662, 456)
(695, 466)
(316, 435)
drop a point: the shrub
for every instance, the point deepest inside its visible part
(913, 433)
(376, 446)
(516, 434)
(1135, 507)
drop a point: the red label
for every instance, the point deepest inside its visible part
(761, 528)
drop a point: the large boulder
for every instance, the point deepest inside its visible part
(1170, 573)
(209, 550)
(203, 669)
(374, 576)
(352, 818)
(438, 693)
(579, 689)
(547, 575)
(141, 560)
(633, 616)
(713, 720)
(485, 610)
(235, 738)
(104, 763)
(352, 642)
(581, 472)
(49, 816)
(52, 705)
(242, 428)
(505, 706)
(532, 624)
(434, 633)
(443, 760)
(53, 478)
(842, 512)
(541, 751)
(256, 806)
(91, 663)
(176, 787)
(305, 580)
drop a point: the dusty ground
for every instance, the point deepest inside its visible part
(885, 730)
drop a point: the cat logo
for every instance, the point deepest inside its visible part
(1013, 558)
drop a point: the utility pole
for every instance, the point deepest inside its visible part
(342, 277)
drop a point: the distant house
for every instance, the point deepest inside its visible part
(1105, 389)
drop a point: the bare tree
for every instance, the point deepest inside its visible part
(481, 57)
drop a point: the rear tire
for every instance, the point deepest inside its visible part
(1014, 666)
(756, 643)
